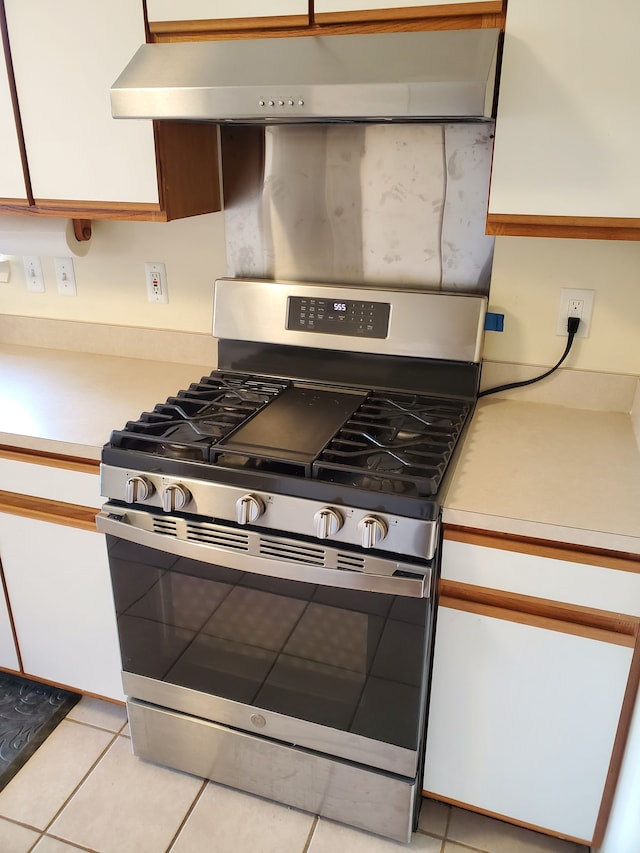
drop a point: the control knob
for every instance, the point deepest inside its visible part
(248, 509)
(175, 496)
(372, 531)
(327, 522)
(137, 489)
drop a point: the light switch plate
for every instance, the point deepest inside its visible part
(65, 276)
(33, 273)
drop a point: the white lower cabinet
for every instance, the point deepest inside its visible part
(8, 654)
(57, 579)
(524, 713)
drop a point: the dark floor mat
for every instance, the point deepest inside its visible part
(29, 712)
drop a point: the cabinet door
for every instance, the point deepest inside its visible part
(66, 55)
(12, 185)
(58, 585)
(8, 654)
(568, 121)
(199, 10)
(523, 718)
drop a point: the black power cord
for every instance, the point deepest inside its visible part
(573, 324)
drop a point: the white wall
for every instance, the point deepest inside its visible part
(110, 278)
(527, 276)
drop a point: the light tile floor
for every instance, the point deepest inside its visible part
(84, 790)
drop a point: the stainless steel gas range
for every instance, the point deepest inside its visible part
(273, 536)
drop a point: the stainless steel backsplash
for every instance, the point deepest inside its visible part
(384, 204)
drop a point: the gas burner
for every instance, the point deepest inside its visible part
(395, 444)
(187, 425)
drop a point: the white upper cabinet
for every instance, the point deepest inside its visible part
(66, 55)
(202, 10)
(12, 184)
(568, 118)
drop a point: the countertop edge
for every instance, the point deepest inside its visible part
(597, 539)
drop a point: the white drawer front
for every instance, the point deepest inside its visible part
(55, 484)
(557, 580)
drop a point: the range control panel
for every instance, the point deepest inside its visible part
(339, 316)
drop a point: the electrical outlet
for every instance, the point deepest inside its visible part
(65, 276)
(575, 303)
(33, 273)
(156, 275)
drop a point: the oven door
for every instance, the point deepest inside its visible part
(266, 635)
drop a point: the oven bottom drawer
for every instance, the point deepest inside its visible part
(368, 799)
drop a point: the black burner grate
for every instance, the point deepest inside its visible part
(395, 443)
(185, 426)
(399, 444)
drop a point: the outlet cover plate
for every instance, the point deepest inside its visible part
(568, 295)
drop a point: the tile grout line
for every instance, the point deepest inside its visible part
(188, 814)
(312, 831)
(84, 778)
(42, 832)
(73, 844)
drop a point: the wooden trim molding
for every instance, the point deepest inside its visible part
(628, 704)
(544, 548)
(12, 623)
(160, 31)
(55, 512)
(51, 460)
(505, 818)
(448, 16)
(88, 210)
(578, 227)
(618, 628)
(13, 92)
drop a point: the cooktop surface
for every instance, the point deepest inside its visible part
(393, 442)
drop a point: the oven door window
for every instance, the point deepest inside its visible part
(351, 660)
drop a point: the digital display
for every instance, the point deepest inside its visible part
(357, 317)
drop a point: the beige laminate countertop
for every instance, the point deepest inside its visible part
(67, 403)
(549, 472)
(527, 468)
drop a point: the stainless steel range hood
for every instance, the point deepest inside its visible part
(419, 76)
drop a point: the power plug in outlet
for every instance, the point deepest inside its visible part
(575, 303)
(156, 275)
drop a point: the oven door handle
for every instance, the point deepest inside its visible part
(412, 586)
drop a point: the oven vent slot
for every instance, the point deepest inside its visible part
(350, 562)
(294, 553)
(214, 536)
(166, 526)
